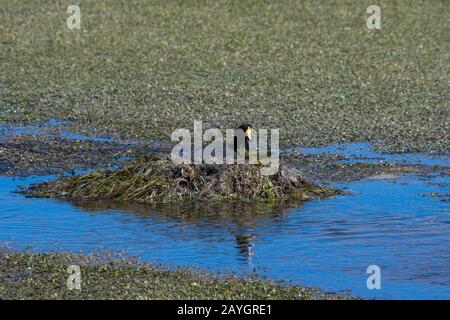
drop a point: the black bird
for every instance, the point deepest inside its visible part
(245, 129)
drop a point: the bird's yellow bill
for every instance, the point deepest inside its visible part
(248, 133)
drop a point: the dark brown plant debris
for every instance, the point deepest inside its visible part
(154, 179)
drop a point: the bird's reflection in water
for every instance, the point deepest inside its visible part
(238, 219)
(244, 245)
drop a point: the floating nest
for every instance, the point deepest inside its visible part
(159, 180)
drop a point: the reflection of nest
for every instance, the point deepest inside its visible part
(157, 180)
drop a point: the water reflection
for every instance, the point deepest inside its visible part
(238, 219)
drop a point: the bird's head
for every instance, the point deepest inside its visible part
(247, 128)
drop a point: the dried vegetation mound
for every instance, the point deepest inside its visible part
(159, 180)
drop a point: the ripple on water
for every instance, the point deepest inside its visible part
(392, 223)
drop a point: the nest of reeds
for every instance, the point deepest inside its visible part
(159, 180)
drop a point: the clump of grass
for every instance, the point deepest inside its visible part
(159, 180)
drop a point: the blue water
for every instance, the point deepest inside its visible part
(47, 129)
(393, 223)
(363, 152)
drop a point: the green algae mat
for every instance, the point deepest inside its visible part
(310, 68)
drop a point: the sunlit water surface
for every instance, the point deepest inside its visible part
(394, 224)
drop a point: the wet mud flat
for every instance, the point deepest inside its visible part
(45, 276)
(341, 164)
(50, 147)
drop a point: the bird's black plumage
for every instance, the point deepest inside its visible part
(246, 131)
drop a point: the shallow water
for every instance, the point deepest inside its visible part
(47, 129)
(394, 223)
(363, 152)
